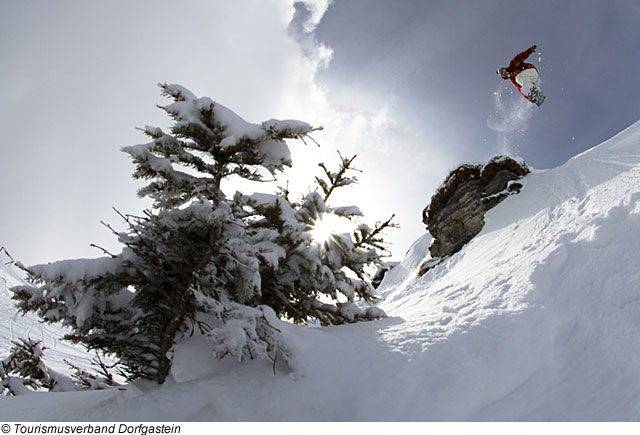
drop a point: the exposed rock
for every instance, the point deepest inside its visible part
(381, 272)
(429, 264)
(456, 211)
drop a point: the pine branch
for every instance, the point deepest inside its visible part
(307, 135)
(103, 370)
(337, 179)
(3, 249)
(371, 239)
(104, 251)
(109, 226)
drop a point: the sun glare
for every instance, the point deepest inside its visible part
(329, 225)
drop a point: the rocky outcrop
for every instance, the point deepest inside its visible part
(456, 211)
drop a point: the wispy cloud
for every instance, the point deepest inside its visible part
(305, 19)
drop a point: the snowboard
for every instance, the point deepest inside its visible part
(536, 96)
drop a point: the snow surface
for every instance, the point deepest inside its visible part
(537, 318)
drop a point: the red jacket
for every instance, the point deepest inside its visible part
(518, 64)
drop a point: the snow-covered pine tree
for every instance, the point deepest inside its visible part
(25, 371)
(201, 261)
(305, 269)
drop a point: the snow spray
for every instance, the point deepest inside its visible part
(510, 120)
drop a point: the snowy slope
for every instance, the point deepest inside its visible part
(537, 318)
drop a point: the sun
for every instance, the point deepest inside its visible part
(329, 225)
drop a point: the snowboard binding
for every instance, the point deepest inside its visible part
(536, 96)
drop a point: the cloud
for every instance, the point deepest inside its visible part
(305, 19)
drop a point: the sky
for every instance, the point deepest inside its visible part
(409, 86)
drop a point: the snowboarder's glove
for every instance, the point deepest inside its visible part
(534, 47)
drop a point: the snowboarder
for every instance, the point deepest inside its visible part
(524, 75)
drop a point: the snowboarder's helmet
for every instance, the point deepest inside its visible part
(502, 72)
